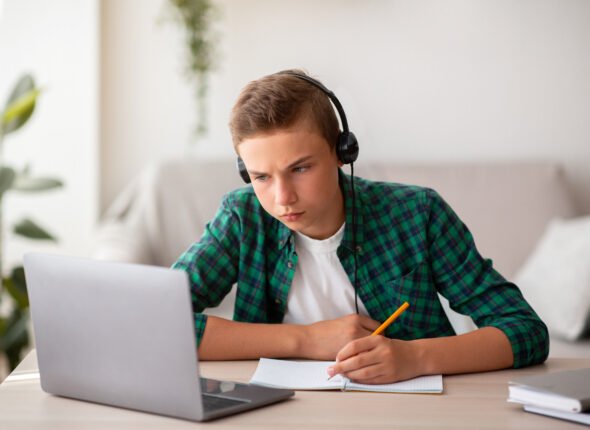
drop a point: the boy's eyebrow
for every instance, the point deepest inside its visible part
(293, 164)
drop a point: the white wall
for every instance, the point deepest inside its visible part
(57, 42)
(420, 80)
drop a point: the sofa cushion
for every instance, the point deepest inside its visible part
(165, 209)
(556, 278)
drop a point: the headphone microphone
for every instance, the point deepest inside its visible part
(347, 151)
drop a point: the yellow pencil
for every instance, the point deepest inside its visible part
(391, 319)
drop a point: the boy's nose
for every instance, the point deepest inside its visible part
(284, 193)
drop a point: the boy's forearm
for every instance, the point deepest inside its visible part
(230, 340)
(481, 350)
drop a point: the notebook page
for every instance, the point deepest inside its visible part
(296, 375)
(422, 384)
(313, 375)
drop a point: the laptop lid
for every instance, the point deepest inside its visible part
(121, 334)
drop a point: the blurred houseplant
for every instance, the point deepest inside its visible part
(14, 303)
(196, 18)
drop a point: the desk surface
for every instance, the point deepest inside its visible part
(469, 401)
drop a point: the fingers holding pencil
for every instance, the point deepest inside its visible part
(348, 351)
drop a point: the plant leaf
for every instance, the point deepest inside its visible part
(31, 230)
(7, 176)
(15, 336)
(29, 184)
(15, 325)
(20, 105)
(16, 285)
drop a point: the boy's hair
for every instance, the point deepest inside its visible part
(279, 101)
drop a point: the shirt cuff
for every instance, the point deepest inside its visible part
(530, 342)
(200, 323)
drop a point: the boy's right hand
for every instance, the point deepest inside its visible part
(324, 339)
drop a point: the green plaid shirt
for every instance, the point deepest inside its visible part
(411, 246)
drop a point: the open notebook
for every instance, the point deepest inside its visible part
(312, 375)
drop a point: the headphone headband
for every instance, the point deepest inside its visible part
(326, 91)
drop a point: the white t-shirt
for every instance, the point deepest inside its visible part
(321, 289)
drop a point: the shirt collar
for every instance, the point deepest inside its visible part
(285, 235)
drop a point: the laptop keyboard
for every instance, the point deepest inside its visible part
(213, 403)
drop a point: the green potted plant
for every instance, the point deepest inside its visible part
(14, 303)
(196, 18)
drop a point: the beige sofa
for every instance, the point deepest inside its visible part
(506, 206)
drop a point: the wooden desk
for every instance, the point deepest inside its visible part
(469, 402)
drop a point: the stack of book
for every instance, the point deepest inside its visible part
(564, 395)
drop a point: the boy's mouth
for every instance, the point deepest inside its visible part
(291, 216)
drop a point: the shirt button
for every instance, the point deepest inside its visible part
(359, 249)
(289, 265)
(278, 301)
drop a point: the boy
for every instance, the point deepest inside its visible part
(301, 247)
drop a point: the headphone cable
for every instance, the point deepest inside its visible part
(356, 303)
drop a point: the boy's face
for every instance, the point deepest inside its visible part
(294, 173)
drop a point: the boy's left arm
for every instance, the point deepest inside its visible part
(473, 287)
(510, 333)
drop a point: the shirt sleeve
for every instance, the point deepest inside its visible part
(211, 264)
(473, 287)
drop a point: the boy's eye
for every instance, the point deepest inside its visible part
(260, 178)
(300, 169)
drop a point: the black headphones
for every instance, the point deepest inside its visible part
(347, 147)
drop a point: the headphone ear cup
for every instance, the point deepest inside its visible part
(243, 171)
(348, 148)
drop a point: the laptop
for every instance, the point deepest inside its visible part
(123, 335)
